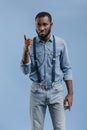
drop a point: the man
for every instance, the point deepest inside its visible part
(46, 60)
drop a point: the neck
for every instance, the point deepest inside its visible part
(45, 39)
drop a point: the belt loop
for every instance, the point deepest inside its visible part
(52, 84)
(40, 83)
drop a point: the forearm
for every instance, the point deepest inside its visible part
(25, 63)
(69, 86)
(25, 57)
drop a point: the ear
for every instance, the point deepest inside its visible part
(51, 24)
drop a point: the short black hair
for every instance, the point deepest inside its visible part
(43, 14)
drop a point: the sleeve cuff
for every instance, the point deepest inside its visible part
(25, 63)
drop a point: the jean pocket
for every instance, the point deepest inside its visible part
(35, 88)
(58, 87)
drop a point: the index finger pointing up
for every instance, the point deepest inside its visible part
(25, 37)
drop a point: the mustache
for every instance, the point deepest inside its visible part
(45, 35)
(40, 31)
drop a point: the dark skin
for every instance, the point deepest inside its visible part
(43, 29)
(69, 98)
(27, 44)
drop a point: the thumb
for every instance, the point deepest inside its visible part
(25, 37)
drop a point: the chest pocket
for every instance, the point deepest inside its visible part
(39, 57)
(50, 57)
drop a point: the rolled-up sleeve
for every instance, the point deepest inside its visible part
(65, 64)
(25, 67)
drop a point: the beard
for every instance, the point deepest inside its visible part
(43, 36)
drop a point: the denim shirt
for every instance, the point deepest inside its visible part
(44, 54)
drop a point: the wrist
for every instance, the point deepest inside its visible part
(26, 50)
(70, 93)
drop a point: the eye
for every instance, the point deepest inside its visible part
(38, 24)
(45, 24)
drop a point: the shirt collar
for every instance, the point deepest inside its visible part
(50, 39)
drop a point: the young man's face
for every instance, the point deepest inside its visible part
(43, 27)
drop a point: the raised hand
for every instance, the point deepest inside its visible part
(28, 43)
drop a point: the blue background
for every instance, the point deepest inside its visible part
(17, 19)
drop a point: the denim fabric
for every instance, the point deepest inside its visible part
(44, 54)
(40, 99)
(46, 94)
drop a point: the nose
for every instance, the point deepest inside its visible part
(41, 28)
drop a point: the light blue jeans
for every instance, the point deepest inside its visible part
(40, 99)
